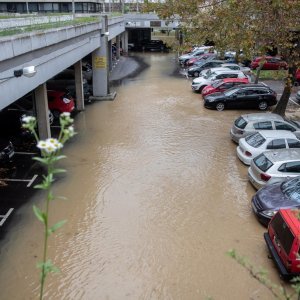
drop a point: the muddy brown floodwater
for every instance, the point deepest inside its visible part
(156, 196)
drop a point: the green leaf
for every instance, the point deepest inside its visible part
(56, 226)
(42, 160)
(56, 171)
(59, 157)
(39, 214)
(40, 186)
(48, 267)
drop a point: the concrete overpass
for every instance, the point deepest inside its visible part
(52, 51)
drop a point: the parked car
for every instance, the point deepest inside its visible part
(6, 150)
(298, 96)
(297, 76)
(237, 67)
(223, 85)
(283, 241)
(269, 199)
(274, 166)
(155, 45)
(59, 102)
(250, 123)
(195, 70)
(199, 51)
(199, 83)
(65, 81)
(265, 140)
(203, 57)
(244, 96)
(272, 63)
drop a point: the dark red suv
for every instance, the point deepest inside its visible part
(271, 63)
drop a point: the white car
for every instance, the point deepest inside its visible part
(237, 67)
(274, 166)
(265, 140)
(199, 83)
(250, 123)
(197, 52)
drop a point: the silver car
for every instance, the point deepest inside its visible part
(274, 166)
(265, 140)
(250, 123)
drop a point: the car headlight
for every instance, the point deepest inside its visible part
(209, 99)
(269, 213)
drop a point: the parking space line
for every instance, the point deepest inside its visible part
(25, 153)
(32, 180)
(291, 99)
(4, 217)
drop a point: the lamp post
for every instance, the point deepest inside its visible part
(26, 71)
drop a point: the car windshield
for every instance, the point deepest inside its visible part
(217, 83)
(240, 122)
(262, 162)
(293, 123)
(291, 189)
(255, 140)
(231, 91)
(209, 75)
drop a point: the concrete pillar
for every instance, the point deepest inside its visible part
(110, 56)
(125, 41)
(79, 86)
(118, 41)
(100, 64)
(42, 111)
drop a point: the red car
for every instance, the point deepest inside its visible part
(222, 85)
(193, 60)
(272, 63)
(59, 102)
(283, 240)
(297, 76)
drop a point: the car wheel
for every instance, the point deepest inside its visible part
(220, 106)
(196, 74)
(263, 105)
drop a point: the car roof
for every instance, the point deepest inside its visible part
(262, 117)
(235, 80)
(256, 85)
(229, 71)
(283, 155)
(280, 134)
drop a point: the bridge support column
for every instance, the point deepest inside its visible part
(41, 102)
(101, 59)
(79, 86)
(118, 41)
(110, 56)
(125, 42)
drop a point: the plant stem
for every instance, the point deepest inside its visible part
(43, 275)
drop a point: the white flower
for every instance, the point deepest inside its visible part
(65, 115)
(28, 119)
(50, 145)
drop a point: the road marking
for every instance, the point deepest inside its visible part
(30, 181)
(4, 217)
(26, 153)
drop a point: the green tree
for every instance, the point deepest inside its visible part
(251, 27)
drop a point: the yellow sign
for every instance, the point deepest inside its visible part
(100, 62)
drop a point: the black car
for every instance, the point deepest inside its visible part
(269, 199)
(195, 70)
(6, 150)
(246, 96)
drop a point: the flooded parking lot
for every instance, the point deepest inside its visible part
(156, 197)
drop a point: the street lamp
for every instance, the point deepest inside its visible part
(26, 71)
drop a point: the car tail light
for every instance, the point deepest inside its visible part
(247, 153)
(265, 177)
